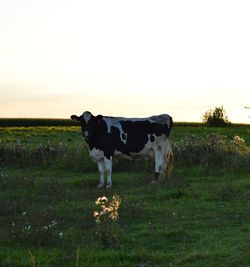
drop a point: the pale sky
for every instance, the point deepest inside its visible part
(130, 58)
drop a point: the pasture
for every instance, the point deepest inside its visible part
(198, 217)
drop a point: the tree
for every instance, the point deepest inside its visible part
(216, 117)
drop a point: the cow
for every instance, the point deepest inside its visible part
(108, 136)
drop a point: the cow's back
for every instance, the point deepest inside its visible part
(132, 135)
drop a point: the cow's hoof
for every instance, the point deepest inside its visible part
(108, 186)
(154, 183)
(100, 185)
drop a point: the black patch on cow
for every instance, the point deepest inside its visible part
(152, 138)
(83, 124)
(98, 136)
(138, 131)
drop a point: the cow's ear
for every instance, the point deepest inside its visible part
(99, 118)
(75, 118)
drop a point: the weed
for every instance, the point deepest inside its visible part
(106, 217)
(32, 259)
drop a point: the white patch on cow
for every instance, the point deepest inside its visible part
(87, 115)
(105, 167)
(96, 154)
(158, 149)
(109, 123)
(116, 123)
(163, 119)
(101, 169)
(108, 170)
(161, 152)
(86, 134)
(113, 121)
(124, 140)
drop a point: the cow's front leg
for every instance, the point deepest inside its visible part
(108, 169)
(101, 169)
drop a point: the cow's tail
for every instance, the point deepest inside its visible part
(169, 156)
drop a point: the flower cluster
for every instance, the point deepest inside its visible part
(239, 142)
(108, 209)
(27, 227)
(52, 224)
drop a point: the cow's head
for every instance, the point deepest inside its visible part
(89, 123)
(84, 121)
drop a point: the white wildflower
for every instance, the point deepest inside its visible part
(101, 200)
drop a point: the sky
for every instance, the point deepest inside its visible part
(133, 58)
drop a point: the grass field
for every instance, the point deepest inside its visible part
(198, 217)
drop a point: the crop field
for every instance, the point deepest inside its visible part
(197, 217)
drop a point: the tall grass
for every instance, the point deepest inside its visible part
(211, 150)
(45, 155)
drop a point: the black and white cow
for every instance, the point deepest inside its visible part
(110, 136)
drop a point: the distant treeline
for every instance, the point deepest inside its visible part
(10, 122)
(21, 122)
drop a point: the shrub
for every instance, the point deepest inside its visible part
(216, 117)
(44, 155)
(218, 150)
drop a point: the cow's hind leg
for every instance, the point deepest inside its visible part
(101, 169)
(108, 169)
(160, 165)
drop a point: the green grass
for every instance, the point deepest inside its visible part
(31, 136)
(70, 135)
(199, 217)
(193, 220)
